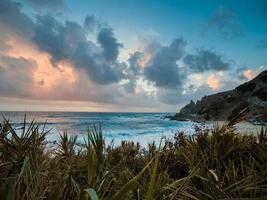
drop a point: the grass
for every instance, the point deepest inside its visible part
(211, 164)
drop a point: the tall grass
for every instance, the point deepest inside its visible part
(211, 164)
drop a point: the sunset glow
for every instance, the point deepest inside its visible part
(105, 62)
(213, 82)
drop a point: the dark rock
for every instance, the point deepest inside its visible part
(189, 108)
(226, 105)
(261, 94)
(246, 87)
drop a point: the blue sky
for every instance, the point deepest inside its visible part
(171, 19)
(132, 55)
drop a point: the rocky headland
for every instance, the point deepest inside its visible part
(222, 106)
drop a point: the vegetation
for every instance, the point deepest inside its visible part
(211, 164)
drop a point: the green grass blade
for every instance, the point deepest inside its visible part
(153, 181)
(92, 193)
(130, 185)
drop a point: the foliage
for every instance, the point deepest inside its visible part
(211, 164)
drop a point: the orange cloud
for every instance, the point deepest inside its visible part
(249, 74)
(46, 77)
(213, 82)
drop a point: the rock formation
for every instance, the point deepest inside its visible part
(225, 105)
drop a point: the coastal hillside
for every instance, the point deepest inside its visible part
(225, 105)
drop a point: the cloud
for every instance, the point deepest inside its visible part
(42, 57)
(247, 74)
(206, 60)
(109, 44)
(133, 70)
(16, 76)
(65, 41)
(134, 61)
(91, 24)
(171, 96)
(226, 23)
(55, 38)
(146, 48)
(65, 44)
(163, 69)
(4, 46)
(51, 4)
(181, 96)
(213, 82)
(68, 41)
(13, 21)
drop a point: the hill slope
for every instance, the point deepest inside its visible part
(225, 105)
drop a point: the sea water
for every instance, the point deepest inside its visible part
(138, 127)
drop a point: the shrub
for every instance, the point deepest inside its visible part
(211, 164)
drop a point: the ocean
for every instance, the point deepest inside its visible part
(138, 127)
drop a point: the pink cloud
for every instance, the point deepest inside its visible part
(213, 82)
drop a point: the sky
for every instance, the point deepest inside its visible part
(126, 56)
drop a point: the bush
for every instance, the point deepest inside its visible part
(211, 164)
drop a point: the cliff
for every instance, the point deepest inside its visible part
(225, 105)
